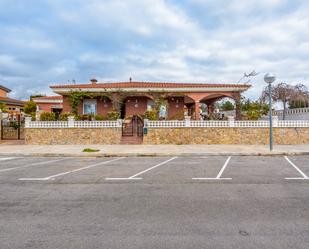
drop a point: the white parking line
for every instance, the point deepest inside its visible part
(32, 164)
(7, 158)
(68, 172)
(218, 177)
(134, 177)
(305, 177)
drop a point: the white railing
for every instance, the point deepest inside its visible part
(292, 111)
(230, 123)
(47, 124)
(73, 124)
(167, 124)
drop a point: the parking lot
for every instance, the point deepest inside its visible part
(155, 202)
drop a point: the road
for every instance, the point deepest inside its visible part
(157, 202)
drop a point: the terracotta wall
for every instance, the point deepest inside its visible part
(46, 107)
(176, 108)
(103, 107)
(135, 106)
(3, 93)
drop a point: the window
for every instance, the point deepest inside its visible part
(90, 106)
(150, 105)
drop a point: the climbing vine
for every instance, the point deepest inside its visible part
(75, 98)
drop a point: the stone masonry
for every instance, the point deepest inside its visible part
(249, 136)
(46, 136)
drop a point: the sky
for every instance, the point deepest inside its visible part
(46, 42)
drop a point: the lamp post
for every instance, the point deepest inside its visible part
(270, 78)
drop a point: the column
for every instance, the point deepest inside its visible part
(197, 110)
(238, 109)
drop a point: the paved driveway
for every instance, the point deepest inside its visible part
(158, 202)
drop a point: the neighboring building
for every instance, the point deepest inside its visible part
(137, 97)
(14, 106)
(49, 104)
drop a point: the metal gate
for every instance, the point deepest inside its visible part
(132, 126)
(12, 129)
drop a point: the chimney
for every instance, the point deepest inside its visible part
(93, 81)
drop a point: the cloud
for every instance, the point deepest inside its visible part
(166, 40)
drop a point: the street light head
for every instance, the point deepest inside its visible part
(269, 78)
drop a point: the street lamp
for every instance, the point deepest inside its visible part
(270, 78)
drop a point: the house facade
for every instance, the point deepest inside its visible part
(173, 100)
(49, 104)
(13, 106)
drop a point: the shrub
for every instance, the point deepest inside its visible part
(64, 116)
(48, 116)
(30, 107)
(90, 150)
(3, 107)
(84, 117)
(33, 116)
(99, 117)
(151, 115)
(113, 115)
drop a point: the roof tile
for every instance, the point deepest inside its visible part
(148, 85)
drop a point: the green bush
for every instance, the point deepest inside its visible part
(113, 115)
(30, 107)
(33, 116)
(90, 150)
(99, 117)
(151, 115)
(64, 116)
(84, 117)
(48, 116)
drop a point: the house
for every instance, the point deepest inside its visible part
(173, 100)
(49, 104)
(13, 106)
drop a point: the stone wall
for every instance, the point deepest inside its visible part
(46, 136)
(226, 136)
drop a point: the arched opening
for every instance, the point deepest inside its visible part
(211, 110)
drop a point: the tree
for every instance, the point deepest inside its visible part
(30, 107)
(286, 93)
(253, 110)
(226, 106)
(37, 95)
(3, 107)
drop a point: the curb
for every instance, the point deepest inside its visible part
(302, 153)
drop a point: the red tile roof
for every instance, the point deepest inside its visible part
(11, 101)
(149, 85)
(49, 98)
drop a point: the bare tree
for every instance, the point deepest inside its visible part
(281, 92)
(285, 93)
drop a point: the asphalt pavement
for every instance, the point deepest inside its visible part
(154, 202)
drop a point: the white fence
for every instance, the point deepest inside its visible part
(167, 124)
(293, 114)
(230, 123)
(73, 124)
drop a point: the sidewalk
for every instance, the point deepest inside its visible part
(150, 150)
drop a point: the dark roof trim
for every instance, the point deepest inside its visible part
(5, 89)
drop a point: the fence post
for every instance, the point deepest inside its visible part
(71, 121)
(231, 120)
(187, 121)
(146, 122)
(28, 121)
(119, 121)
(275, 121)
